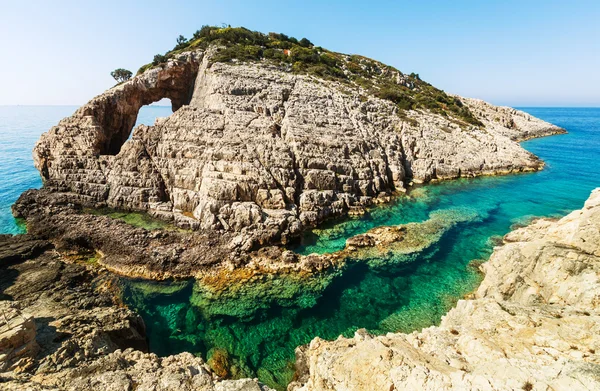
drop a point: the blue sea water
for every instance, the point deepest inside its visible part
(383, 299)
(20, 128)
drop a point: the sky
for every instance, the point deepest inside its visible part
(516, 53)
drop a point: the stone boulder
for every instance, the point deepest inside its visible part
(18, 346)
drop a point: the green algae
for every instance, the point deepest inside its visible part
(21, 225)
(246, 298)
(147, 289)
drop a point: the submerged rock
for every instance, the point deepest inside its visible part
(534, 324)
(281, 278)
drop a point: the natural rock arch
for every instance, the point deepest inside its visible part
(73, 156)
(116, 111)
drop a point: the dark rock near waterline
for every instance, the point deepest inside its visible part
(63, 327)
(20, 248)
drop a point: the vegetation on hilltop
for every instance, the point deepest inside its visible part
(121, 75)
(238, 44)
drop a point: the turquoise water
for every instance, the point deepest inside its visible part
(259, 339)
(20, 128)
(388, 297)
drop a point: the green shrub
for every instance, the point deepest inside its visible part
(329, 60)
(239, 43)
(238, 52)
(159, 59)
(144, 68)
(121, 75)
(274, 54)
(305, 43)
(204, 31)
(304, 55)
(396, 95)
(182, 43)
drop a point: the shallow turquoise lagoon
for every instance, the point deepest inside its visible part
(402, 297)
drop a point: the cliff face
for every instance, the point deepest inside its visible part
(252, 148)
(533, 324)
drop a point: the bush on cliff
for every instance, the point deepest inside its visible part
(121, 75)
(181, 42)
(159, 59)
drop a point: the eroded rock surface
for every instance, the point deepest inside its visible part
(534, 324)
(18, 347)
(63, 327)
(255, 150)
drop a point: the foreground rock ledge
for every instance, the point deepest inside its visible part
(534, 324)
(63, 328)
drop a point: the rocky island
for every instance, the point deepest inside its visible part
(269, 137)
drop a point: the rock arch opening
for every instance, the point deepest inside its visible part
(148, 114)
(116, 112)
(125, 116)
(74, 155)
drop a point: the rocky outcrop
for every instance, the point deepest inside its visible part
(257, 150)
(18, 347)
(63, 327)
(507, 121)
(131, 369)
(73, 311)
(74, 155)
(533, 324)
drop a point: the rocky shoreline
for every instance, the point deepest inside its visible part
(533, 324)
(64, 327)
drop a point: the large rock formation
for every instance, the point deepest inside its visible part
(534, 324)
(256, 149)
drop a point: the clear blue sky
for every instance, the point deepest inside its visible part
(518, 53)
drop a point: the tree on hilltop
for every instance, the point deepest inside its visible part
(305, 42)
(181, 42)
(121, 75)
